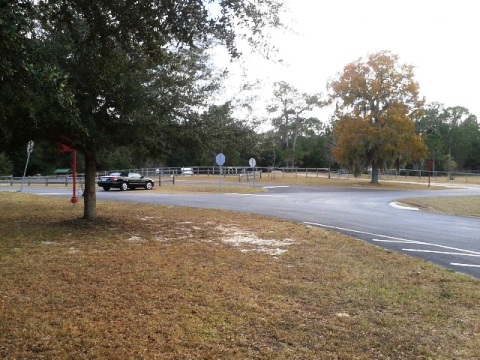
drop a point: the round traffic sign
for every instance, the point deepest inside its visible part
(220, 159)
(252, 162)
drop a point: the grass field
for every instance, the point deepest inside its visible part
(236, 184)
(163, 282)
(454, 205)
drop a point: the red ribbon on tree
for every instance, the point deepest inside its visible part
(65, 148)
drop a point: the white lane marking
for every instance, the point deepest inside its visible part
(353, 231)
(397, 241)
(402, 207)
(442, 252)
(428, 244)
(275, 196)
(274, 187)
(465, 265)
(406, 241)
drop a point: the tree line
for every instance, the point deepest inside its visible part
(131, 84)
(452, 136)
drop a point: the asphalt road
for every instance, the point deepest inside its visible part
(450, 241)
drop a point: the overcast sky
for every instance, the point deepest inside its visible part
(439, 38)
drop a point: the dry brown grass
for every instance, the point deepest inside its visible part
(158, 282)
(206, 185)
(458, 205)
(232, 184)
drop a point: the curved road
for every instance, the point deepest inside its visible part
(450, 241)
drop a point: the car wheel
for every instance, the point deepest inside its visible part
(106, 188)
(149, 185)
(124, 186)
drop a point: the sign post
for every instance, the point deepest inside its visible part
(74, 198)
(29, 151)
(64, 149)
(429, 168)
(252, 162)
(220, 160)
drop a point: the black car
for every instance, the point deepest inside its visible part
(125, 180)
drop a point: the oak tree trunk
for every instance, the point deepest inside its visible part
(374, 173)
(90, 199)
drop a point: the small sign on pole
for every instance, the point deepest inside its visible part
(220, 160)
(30, 147)
(430, 165)
(252, 162)
(29, 151)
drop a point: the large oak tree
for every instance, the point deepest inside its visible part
(376, 101)
(135, 70)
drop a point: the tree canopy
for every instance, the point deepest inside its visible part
(451, 134)
(29, 83)
(376, 101)
(292, 117)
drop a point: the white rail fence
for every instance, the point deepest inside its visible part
(168, 174)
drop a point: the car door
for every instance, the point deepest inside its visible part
(135, 180)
